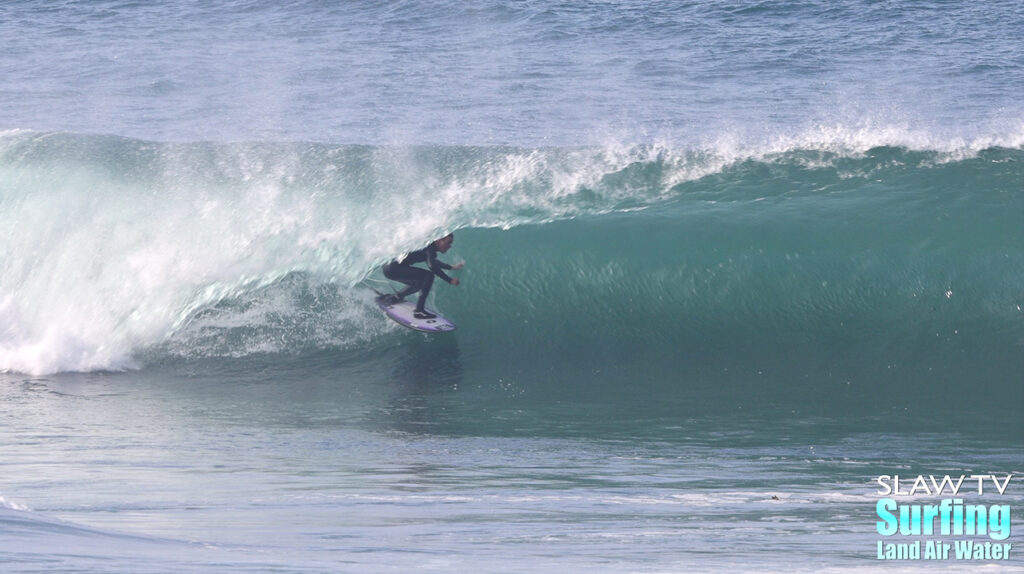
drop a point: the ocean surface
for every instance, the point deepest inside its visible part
(726, 264)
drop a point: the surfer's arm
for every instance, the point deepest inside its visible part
(437, 266)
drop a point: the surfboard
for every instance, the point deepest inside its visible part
(402, 313)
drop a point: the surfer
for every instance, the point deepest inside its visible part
(419, 279)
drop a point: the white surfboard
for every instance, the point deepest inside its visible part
(402, 313)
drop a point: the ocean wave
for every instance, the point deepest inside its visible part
(118, 246)
(11, 505)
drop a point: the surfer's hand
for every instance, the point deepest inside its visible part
(458, 266)
(455, 280)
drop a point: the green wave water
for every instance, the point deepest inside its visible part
(863, 271)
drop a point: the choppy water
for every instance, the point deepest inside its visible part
(726, 264)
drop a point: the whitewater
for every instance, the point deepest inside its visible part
(726, 264)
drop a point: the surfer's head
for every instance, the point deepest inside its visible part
(445, 243)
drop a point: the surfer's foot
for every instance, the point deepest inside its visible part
(423, 314)
(389, 299)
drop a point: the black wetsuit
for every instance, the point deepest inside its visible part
(417, 278)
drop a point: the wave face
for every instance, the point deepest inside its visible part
(831, 251)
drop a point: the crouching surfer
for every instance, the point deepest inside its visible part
(419, 279)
